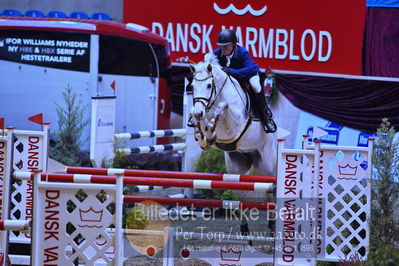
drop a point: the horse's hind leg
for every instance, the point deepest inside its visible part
(237, 163)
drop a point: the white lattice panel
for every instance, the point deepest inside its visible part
(76, 224)
(345, 190)
(29, 153)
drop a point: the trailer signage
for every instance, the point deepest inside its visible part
(61, 50)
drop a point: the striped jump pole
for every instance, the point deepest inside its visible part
(140, 188)
(153, 148)
(14, 225)
(223, 204)
(169, 174)
(180, 132)
(148, 181)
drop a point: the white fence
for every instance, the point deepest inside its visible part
(331, 181)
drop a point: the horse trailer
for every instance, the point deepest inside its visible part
(41, 57)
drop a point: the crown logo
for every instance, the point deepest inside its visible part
(91, 215)
(347, 170)
(102, 242)
(230, 255)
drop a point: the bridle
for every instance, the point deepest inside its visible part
(207, 101)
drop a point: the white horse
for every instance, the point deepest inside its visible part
(222, 118)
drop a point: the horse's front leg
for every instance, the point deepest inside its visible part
(199, 135)
(211, 126)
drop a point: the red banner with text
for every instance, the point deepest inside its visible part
(309, 35)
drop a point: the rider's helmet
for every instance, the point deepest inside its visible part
(226, 37)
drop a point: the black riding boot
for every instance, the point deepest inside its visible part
(266, 114)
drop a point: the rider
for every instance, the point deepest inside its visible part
(236, 61)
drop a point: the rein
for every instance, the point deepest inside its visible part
(247, 106)
(207, 101)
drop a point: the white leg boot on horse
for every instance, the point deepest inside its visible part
(211, 126)
(204, 127)
(199, 136)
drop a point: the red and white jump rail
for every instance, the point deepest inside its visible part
(153, 148)
(149, 181)
(15, 225)
(180, 132)
(169, 174)
(223, 204)
(23, 226)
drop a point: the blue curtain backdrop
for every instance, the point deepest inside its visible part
(354, 103)
(381, 42)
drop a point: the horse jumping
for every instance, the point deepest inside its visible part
(222, 118)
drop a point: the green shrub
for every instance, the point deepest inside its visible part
(384, 256)
(71, 122)
(212, 161)
(385, 190)
(228, 195)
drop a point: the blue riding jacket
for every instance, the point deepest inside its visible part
(241, 64)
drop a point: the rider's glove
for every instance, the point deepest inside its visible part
(226, 70)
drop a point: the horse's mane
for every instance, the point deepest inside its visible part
(209, 58)
(212, 59)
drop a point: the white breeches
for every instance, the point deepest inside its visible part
(255, 83)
